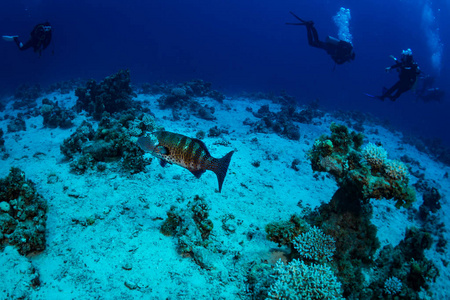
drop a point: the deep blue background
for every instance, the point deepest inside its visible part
(237, 45)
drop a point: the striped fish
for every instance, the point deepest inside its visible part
(189, 153)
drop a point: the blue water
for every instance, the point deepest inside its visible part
(239, 46)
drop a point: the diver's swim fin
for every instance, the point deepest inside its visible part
(369, 95)
(373, 96)
(9, 38)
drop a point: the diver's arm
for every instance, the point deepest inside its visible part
(395, 66)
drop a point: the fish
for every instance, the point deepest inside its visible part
(189, 153)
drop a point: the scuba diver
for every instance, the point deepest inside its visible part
(427, 92)
(340, 51)
(409, 71)
(40, 38)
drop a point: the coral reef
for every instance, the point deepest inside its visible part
(22, 214)
(191, 227)
(55, 116)
(74, 144)
(114, 140)
(407, 264)
(431, 203)
(365, 173)
(280, 123)
(260, 279)
(284, 232)
(17, 124)
(348, 223)
(25, 96)
(181, 100)
(113, 94)
(298, 280)
(362, 174)
(283, 98)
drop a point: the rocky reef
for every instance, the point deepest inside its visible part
(26, 95)
(22, 213)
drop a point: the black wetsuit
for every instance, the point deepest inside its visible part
(40, 38)
(340, 51)
(407, 78)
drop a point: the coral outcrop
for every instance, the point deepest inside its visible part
(191, 227)
(113, 94)
(280, 123)
(56, 116)
(113, 141)
(17, 124)
(284, 232)
(22, 213)
(181, 99)
(363, 173)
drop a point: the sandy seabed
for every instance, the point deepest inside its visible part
(123, 254)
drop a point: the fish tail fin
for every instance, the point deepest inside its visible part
(220, 167)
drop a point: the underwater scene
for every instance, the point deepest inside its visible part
(224, 150)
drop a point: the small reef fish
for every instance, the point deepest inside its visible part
(184, 151)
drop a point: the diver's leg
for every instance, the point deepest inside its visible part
(313, 37)
(389, 91)
(400, 90)
(21, 45)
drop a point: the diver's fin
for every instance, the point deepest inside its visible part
(295, 16)
(369, 95)
(9, 38)
(373, 96)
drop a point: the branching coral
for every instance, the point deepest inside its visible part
(315, 245)
(392, 285)
(298, 280)
(375, 156)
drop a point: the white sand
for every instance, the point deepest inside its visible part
(90, 262)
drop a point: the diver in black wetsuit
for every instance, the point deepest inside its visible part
(409, 71)
(40, 38)
(427, 92)
(340, 51)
